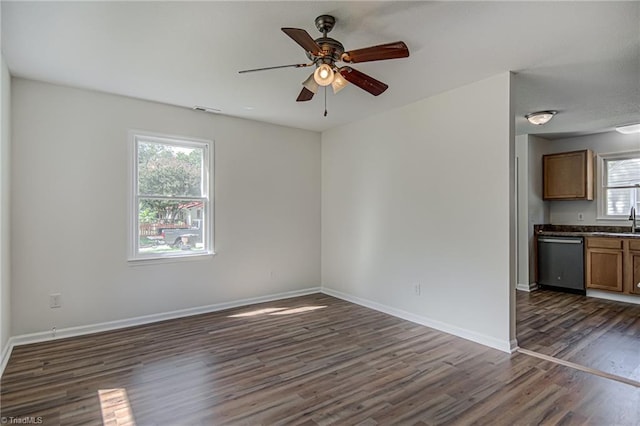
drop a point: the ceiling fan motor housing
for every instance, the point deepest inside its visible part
(325, 23)
(331, 51)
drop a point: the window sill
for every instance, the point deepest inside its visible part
(143, 261)
(613, 218)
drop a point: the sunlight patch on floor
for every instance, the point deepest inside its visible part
(297, 310)
(277, 311)
(256, 312)
(115, 406)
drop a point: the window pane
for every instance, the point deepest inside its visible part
(170, 226)
(623, 172)
(619, 201)
(169, 170)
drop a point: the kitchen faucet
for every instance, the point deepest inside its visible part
(632, 217)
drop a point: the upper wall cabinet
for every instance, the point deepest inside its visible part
(568, 175)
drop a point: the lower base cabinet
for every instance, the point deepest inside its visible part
(604, 264)
(613, 264)
(634, 266)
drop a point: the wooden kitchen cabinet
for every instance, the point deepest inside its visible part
(613, 264)
(568, 175)
(633, 269)
(604, 269)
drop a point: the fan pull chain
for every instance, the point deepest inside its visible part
(325, 101)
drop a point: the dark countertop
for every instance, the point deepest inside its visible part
(585, 231)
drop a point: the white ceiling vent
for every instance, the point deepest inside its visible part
(207, 109)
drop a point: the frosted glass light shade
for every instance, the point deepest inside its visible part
(339, 83)
(323, 75)
(541, 117)
(310, 84)
(628, 129)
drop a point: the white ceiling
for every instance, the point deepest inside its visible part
(580, 58)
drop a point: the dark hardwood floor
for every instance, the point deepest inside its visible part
(596, 333)
(303, 361)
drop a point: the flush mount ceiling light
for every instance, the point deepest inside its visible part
(628, 129)
(541, 117)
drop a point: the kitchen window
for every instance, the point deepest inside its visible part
(171, 214)
(619, 188)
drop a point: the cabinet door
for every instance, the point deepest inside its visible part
(604, 269)
(568, 176)
(634, 264)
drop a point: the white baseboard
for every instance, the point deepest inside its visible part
(613, 296)
(513, 346)
(24, 339)
(527, 287)
(146, 319)
(6, 353)
(492, 342)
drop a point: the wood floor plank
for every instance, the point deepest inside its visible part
(599, 334)
(315, 360)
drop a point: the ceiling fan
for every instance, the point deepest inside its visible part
(324, 52)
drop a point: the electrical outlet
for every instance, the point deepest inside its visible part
(580, 217)
(55, 300)
(416, 289)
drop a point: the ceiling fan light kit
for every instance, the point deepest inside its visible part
(323, 75)
(338, 83)
(324, 52)
(311, 84)
(541, 117)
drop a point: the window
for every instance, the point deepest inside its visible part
(171, 202)
(619, 187)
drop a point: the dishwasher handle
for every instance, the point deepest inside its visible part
(560, 241)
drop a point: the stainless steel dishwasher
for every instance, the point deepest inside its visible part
(561, 263)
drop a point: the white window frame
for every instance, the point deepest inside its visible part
(602, 182)
(208, 206)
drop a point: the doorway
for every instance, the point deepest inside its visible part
(601, 336)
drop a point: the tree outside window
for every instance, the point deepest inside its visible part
(171, 197)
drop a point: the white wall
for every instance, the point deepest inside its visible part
(522, 156)
(5, 228)
(566, 212)
(532, 209)
(424, 194)
(538, 209)
(69, 209)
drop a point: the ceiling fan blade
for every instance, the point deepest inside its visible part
(393, 50)
(303, 39)
(273, 68)
(305, 95)
(363, 81)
